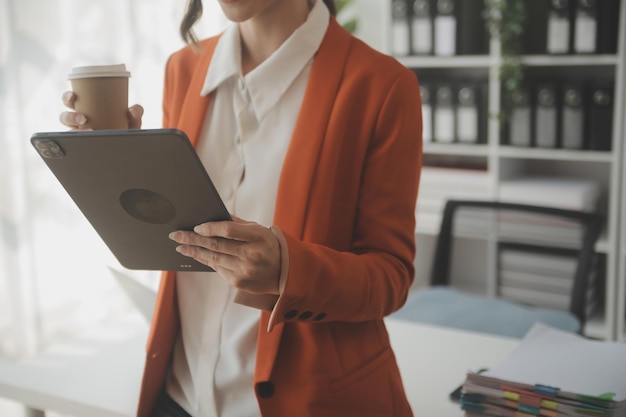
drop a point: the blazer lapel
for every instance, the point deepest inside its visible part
(301, 162)
(194, 109)
(302, 157)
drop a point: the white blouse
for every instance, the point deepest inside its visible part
(243, 143)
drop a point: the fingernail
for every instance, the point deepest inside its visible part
(201, 229)
(81, 119)
(172, 235)
(179, 249)
(67, 96)
(136, 112)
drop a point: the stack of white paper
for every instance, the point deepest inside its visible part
(439, 184)
(551, 373)
(542, 280)
(567, 193)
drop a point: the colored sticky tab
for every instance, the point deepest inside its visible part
(591, 411)
(550, 405)
(510, 395)
(534, 411)
(607, 396)
(531, 400)
(522, 392)
(596, 400)
(546, 390)
(510, 404)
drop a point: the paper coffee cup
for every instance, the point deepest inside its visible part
(101, 95)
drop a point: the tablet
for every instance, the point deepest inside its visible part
(135, 187)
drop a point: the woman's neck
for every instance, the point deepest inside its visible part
(264, 33)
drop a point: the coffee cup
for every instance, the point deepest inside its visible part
(101, 95)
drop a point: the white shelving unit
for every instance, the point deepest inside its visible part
(503, 162)
(620, 321)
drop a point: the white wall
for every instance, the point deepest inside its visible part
(371, 15)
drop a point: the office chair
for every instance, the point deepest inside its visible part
(514, 231)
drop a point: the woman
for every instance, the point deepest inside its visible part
(314, 139)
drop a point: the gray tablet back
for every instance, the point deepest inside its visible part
(135, 187)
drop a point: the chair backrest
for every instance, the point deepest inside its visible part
(526, 229)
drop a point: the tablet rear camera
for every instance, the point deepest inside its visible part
(49, 149)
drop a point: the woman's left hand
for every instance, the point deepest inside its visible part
(245, 253)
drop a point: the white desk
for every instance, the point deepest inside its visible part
(94, 375)
(98, 374)
(433, 361)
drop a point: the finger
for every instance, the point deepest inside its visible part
(72, 119)
(69, 98)
(247, 232)
(211, 243)
(246, 259)
(250, 266)
(240, 275)
(215, 260)
(135, 113)
(239, 220)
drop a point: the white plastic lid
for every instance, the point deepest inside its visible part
(94, 71)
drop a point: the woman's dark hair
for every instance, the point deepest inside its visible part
(191, 16)
(331, 6)
(194, 12)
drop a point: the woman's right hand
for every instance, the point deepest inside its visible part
(76, 121)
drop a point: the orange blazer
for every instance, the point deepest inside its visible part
(346, 205)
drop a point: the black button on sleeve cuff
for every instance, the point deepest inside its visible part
(265, 389)
(291, 314)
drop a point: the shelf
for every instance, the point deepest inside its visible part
(555, 154)
(459, 61)
(486, 61)
(455, 149)
(502, 162)
(570, 60)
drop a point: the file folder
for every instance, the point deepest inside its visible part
(467, 114)
(427, 112)
(600, 125)
(422, 28)
(443, 116)
(573, 117)
(520, 119)
(559, 27)
(445, 24)
(534, 38)
(608, 25)
(400, 28)
(472, 37)
(586, 27)
(546, 116)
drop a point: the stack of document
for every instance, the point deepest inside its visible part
(551, 373)
(440, 184)
(544, 280)
(566, 193)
